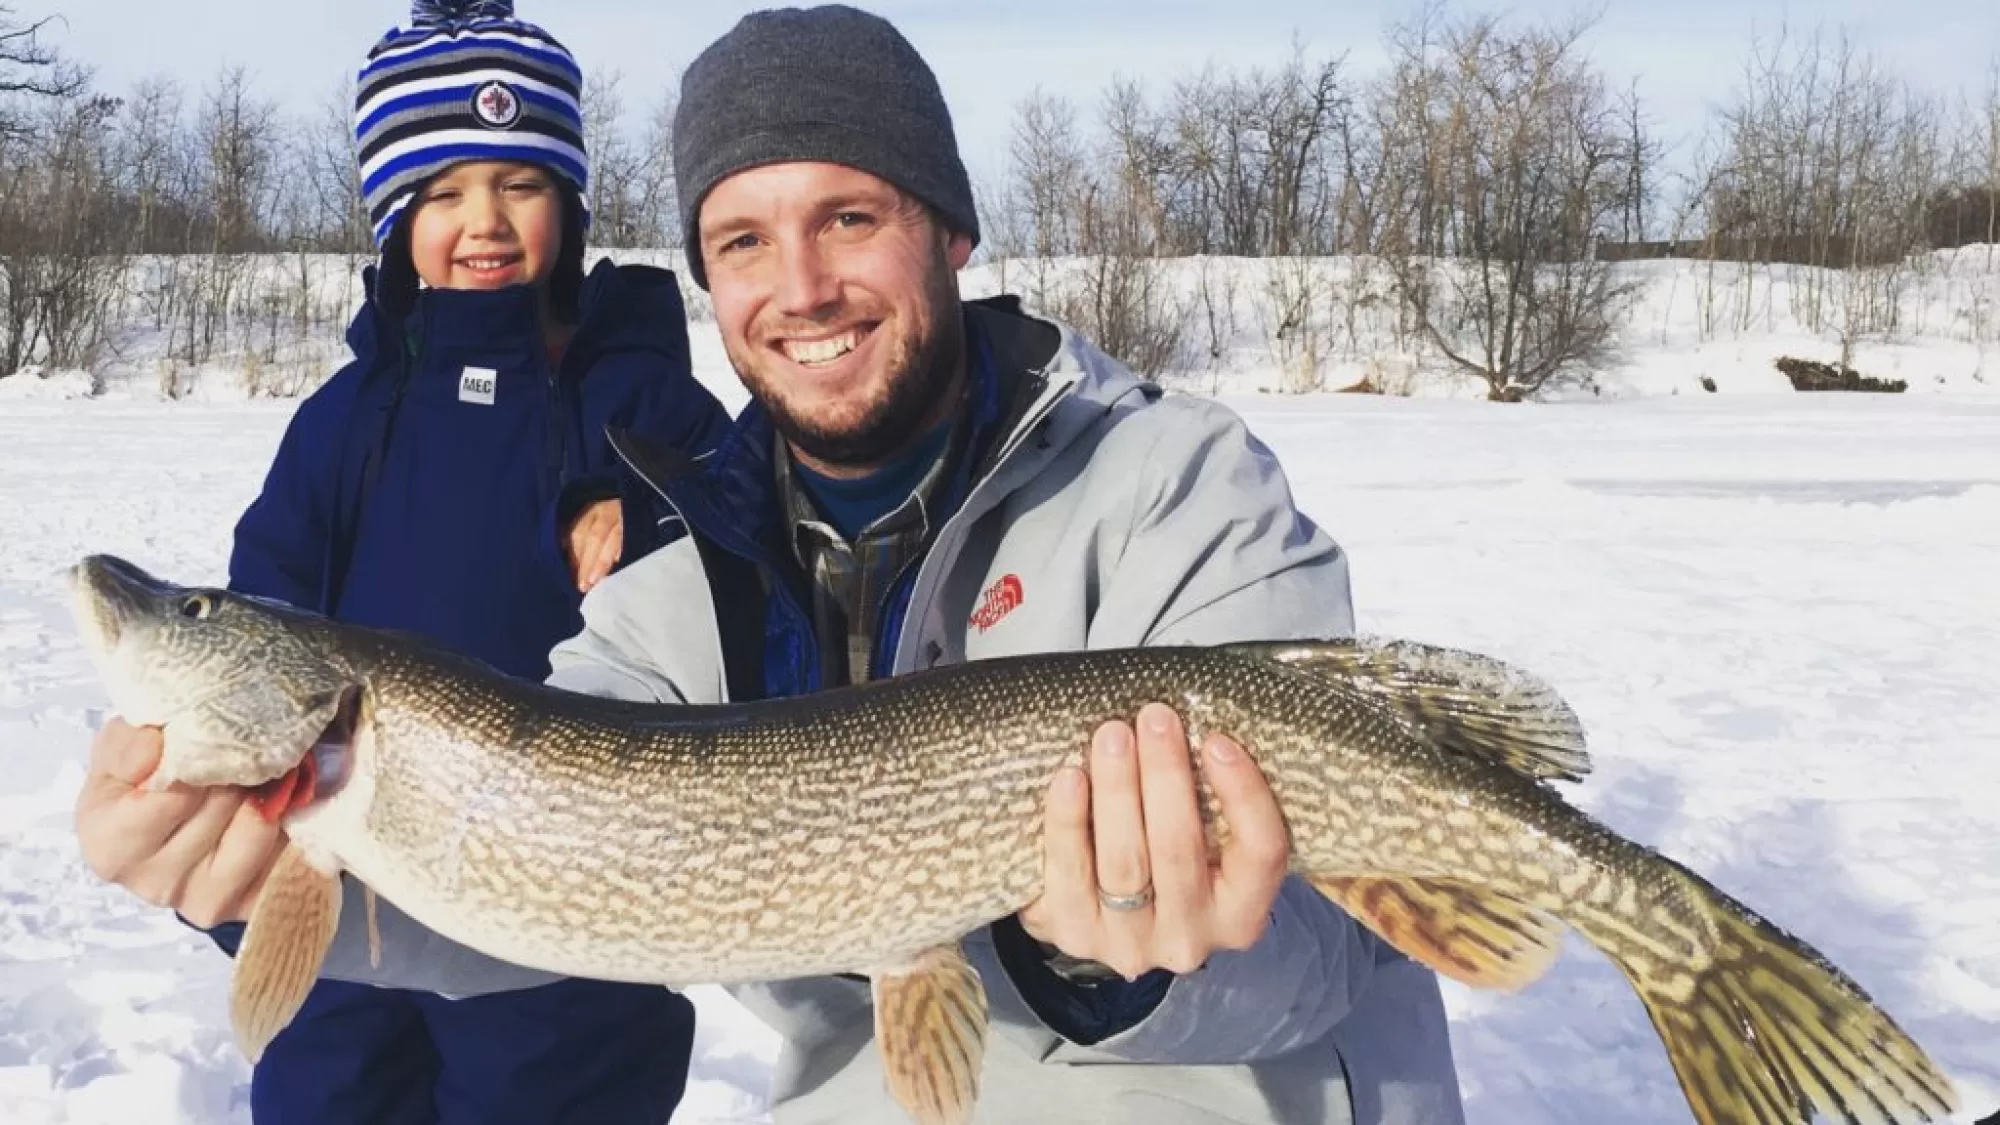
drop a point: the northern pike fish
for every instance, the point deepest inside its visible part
(868, 829)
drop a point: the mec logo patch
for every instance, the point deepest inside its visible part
(476, 385)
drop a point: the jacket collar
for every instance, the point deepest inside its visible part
(621, 308)
(1038, 387)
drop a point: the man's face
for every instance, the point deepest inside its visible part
(837, 298)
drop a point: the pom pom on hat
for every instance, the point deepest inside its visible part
(444, 13)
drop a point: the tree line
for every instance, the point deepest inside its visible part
(1482, 184)
(1479, 185)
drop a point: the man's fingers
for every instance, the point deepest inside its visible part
(163, 877)
(119, 827)
(223, 886)
(1118, 841)
(1258, 853)
(1176, 843)
(1066, 910)
(1173, 817)
(124, 756)
(1117, 818)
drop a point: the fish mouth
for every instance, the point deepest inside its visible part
(106, 593)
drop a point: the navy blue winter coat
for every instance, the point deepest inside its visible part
(424, 487)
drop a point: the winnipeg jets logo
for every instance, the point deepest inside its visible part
(496, 105)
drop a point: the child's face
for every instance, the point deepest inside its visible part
(486, 225)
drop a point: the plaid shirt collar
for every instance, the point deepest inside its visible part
(852, 583)
(911, 519)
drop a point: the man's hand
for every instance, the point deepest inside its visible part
(1131, 830)
(203, 852)
(594, 541)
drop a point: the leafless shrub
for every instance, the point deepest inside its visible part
(1512, 162)
(1215, 296)
(1288, 303)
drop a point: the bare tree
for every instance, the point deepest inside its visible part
(1517, 164)
(1121, 296)
(30, 68)
(656, 200)
(239, 136)
(1810, 172)
(1048, 157)
(336, 214)
(152, 174)
(59, 233)
(1831, 163)
(1251, 162)
(617, 167)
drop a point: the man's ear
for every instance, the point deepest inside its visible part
(957, 249)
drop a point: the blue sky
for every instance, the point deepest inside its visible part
(1685, 53)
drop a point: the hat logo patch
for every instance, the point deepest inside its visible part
(496, 105)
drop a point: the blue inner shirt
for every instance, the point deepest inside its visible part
(851, 504)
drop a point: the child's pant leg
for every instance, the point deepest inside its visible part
(572, 1051)
(354, 1055)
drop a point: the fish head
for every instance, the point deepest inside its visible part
(241, 688)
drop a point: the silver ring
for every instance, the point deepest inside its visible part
(1126, 903)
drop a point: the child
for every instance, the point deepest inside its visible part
(424, 489)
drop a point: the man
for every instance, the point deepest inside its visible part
(921, 481)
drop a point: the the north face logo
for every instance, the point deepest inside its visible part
(496, 105)
(999, 600)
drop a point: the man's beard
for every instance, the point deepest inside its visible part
(920, 373)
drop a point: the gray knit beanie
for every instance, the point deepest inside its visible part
(831, 84)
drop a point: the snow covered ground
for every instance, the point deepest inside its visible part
(1777, 614)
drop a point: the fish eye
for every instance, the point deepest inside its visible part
(197, 606)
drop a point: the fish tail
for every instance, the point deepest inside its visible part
(1768, 1031)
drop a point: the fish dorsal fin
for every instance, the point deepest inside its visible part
(1459, 700)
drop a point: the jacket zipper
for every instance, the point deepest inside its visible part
(922, 589)
(780, 589)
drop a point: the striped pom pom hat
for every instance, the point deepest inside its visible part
(465, 81)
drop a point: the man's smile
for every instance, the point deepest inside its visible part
(821, 352)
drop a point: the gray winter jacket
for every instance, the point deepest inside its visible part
(1115, 516)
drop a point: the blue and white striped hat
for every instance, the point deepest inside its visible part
(466, 81)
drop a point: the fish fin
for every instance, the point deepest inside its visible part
(1767, 1031)
(290, 927)
(374, 927)
(1464, 932)
(1460, 700)
(930, 1026)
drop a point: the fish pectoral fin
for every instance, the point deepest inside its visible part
(930, 1026)
(1462, 701)
(290, 928)
(1467, 933)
